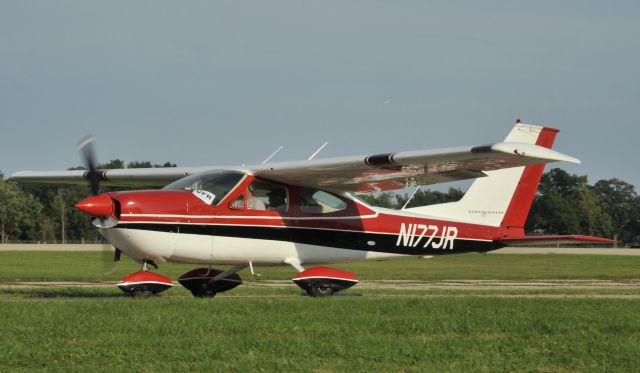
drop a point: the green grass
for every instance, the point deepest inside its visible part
(323, 335)
(64, 292)
(88, 266)
(255, 328)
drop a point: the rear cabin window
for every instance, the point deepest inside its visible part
(314, 201)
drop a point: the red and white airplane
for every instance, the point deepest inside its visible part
(307, 213)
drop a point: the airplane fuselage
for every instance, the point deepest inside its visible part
(185, 228)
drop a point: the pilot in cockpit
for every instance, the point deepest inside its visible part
(277, 199)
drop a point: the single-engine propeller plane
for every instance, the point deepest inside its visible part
(306, 212)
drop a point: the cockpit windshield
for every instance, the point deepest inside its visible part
(218, 183)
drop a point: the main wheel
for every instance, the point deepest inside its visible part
(320, 290)
(203, 293)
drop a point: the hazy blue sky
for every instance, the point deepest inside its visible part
(227, 82)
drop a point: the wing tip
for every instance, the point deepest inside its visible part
(533, 151)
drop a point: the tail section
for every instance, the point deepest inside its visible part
(524, 193)
(504, 197)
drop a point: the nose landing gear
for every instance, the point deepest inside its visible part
(144, 283)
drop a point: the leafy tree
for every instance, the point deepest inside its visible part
(566, 205)
(551, 213)
(20, 213)
(621, 202)
(420, 198)
(147, 164)
(429, 197)
(59, 205)
(386, 200)
(46, 233)
(139, 164)
(594, 221)
(112, 164)
(54, 199)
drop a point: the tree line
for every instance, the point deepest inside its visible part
(564, 204)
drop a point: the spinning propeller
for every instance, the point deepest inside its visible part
(98, 202)
(85, 146)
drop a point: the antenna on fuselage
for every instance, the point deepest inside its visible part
(273, 154)
(317, 151)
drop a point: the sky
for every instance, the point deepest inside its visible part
(227, 82)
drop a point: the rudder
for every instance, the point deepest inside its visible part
(504, 197)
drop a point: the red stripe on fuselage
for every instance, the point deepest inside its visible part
(383, 223)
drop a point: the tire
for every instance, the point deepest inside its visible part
(142, 293)
(203, 293)
(320, 291)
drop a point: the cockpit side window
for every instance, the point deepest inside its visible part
(314, 201)
(217, 183)
(263, 196)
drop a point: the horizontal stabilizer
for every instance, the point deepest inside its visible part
(554, 240)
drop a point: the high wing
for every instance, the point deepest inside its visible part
(360, 174)
(130, 177)
(392, 171)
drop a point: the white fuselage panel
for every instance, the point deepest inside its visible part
(191, 248)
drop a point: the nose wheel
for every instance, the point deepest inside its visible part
(143, 284)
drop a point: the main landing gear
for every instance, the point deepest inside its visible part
(324, 281)
(321, 281)
(207, 282)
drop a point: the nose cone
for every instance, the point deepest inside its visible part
(100, 206)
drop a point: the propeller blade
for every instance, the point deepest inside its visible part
(85, 146)
(93, 175)
(109, 265)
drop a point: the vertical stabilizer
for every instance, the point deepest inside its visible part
(504, 197)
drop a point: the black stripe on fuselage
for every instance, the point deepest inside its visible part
(351, 240)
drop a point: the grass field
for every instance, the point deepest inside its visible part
(257, 328)
(341, 334)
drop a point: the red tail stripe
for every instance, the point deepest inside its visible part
(518, 209)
